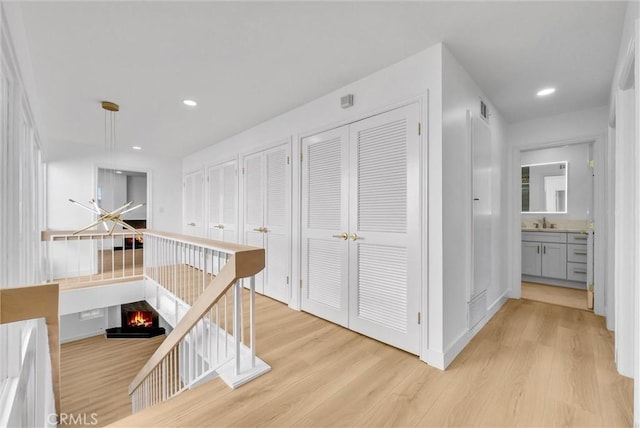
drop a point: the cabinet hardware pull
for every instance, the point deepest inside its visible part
(354, 237)
(538, 248)
(579, 271)
(580, 253)
(342, 236)
(219, 226)
(544, 249)
(191, 224)
(580, 238)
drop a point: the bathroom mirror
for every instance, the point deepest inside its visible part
(544, 188)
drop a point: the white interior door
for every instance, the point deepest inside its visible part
(325, 225)
(384, 254)
(481, 164)
(193, 204)
(222, 185)
(215, 202)
(253, 207)
(277, 222)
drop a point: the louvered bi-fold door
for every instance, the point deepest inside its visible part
(325, 218)
(277, 222)
(384, 284)
(222, 185)
(253, 203)
(193, 203)
(267, 211)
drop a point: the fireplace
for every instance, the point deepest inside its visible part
(139, 320)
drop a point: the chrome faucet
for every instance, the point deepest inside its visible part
(544, 222)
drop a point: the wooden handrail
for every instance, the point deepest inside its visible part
(38, 301)
(246, 262)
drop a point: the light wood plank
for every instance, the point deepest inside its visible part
(563, 296)
(509, 375)
(96, 373)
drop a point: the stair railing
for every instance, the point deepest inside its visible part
(206, 275)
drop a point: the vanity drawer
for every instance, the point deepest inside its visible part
(577, 238)
(559, 237)
(577, 253)
(577, 272)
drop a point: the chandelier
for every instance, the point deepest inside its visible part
(105, 217)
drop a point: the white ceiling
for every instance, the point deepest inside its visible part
(246, 62)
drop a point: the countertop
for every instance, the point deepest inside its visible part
(539, 229)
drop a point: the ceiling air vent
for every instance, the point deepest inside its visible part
(484, 111)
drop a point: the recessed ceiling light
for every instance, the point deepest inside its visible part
(136, 148)
(546, 91)
(118, 172)
(189, 103)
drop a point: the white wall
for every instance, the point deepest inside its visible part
(625, 108)
(563, 127)
(71, 173)
(580, 179)
(417, 78)
(136, 192)
(461, 93)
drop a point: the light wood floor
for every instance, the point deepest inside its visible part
(562, 296)
(95, 375)
(534, 364)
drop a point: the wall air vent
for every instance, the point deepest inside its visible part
(484, 111)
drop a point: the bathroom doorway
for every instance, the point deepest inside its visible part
(556, 189)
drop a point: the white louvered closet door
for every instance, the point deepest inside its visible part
(193, 204)
(253, 203)
(222, 183)
(215, 201)
(277, 222)
(325, 217)
(384, 286)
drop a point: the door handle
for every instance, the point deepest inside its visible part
(354, 237)
(191, 224)
(219, 226)
(342, 236)
(260, 229)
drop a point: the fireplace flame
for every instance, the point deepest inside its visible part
(140, 319)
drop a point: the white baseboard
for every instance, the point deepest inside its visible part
(82, 336)
(463, 340)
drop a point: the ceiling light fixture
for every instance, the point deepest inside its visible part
(136, 148)
(105, 216)
(546, 91)
(189, 103)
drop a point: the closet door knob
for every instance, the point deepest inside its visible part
(219, 226)
(354, 237)
(191, 224)
(342, 236)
